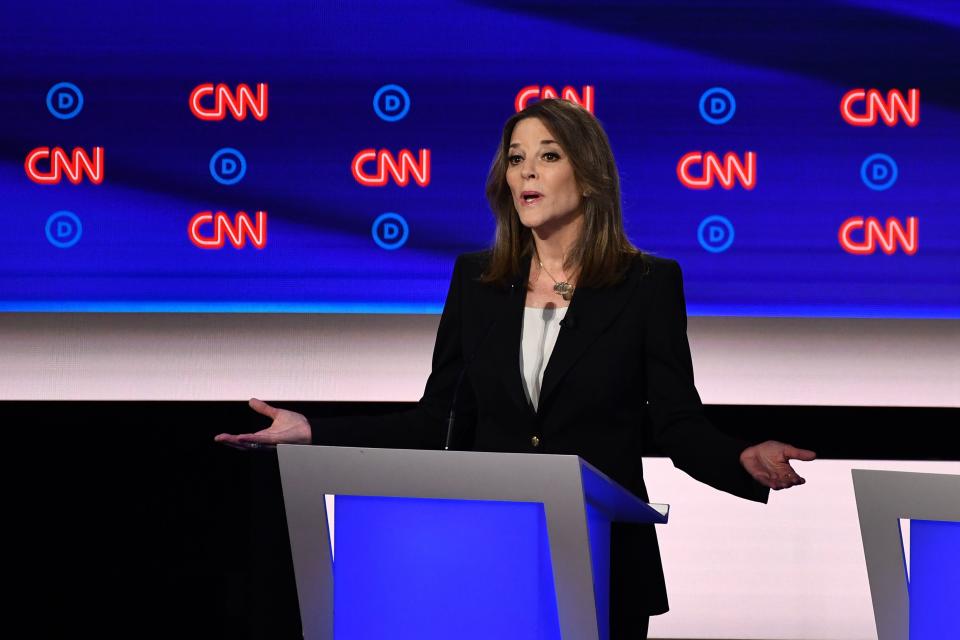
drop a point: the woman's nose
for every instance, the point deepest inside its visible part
(528, 170)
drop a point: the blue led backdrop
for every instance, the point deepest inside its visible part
(796, 158)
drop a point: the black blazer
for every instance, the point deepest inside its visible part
(620, 375)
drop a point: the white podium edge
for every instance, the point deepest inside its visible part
(309, 472)
(883, 498)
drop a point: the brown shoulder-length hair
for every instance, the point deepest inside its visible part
(603, 252)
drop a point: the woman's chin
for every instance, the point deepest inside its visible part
(535, 220)
(546, 225)
(530, 223)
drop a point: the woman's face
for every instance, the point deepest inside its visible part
(541, 179)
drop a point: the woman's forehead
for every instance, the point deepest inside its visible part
(532, 131)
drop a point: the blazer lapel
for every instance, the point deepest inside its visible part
(591, 312)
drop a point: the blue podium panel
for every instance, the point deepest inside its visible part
(934, 580)
(437, 568)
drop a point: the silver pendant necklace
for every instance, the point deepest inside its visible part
(562, 289)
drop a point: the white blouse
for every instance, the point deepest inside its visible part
(541, 326)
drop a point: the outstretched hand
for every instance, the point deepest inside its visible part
(288, 427)
(769, 463)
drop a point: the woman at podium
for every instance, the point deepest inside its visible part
(564, 338)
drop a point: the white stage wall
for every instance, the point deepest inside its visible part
(387, 357)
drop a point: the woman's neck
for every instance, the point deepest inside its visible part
(554, 246)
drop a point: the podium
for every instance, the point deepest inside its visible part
(452, 544)
(922, 606)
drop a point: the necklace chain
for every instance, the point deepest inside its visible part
(562, 289)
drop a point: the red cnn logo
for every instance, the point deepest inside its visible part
(60, 163)
(224, 99)
(386, 164)
(889, 110)
(873, 234)
(223, 227)
(534, 92)
(731, 169)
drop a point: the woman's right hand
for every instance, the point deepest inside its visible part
(288, 427)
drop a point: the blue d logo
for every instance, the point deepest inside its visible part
(879, 172)
(64, 100)
(63, 229)
(391, 102)
(390, 231)
(715, 234)
(717, 105)
(228, 166)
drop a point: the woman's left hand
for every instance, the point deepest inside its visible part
(769, 463)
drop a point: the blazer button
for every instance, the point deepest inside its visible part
(535, 441)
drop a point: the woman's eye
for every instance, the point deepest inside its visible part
(514, 159)
(552, 156)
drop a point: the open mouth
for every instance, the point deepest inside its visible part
(530, 197)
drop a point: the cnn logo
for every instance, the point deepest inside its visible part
(535, 92)
(872, 234)
(728, 173)
(400, 168)
(237, 230)
(213, 102)
(866, 107)
(75, 166)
